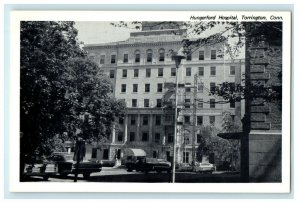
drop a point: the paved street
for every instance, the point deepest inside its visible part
(121, 175)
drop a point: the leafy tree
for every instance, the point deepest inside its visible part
(90, 90)
(58, 86)
(223, 150)
(46, 48)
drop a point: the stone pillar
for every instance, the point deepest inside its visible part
(113, 134)
(150, 127)
(138, 125)
(264, 139)
(125, 128)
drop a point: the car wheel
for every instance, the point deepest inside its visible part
(45, 177)
(129, 169)
(158, 171)
(86, 175)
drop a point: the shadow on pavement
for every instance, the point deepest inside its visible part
(165, 177)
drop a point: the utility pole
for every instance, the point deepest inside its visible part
(177, 57)
(194, 117)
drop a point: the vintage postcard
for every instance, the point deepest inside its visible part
(150, 101)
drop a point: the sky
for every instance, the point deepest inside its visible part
(97, 32)
(100, 32)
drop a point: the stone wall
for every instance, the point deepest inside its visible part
(265, 137)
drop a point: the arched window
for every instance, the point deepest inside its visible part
(161, 55)
(149, 55)
(137, 56)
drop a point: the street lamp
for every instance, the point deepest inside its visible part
(177, 56)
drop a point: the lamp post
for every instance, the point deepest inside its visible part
(177, 57)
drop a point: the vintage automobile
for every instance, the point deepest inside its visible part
(132, 156)
(66, 165)
(40, 168)
(184, 167)
(149, 164)
(204, 167)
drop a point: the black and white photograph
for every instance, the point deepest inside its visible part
(144, 100)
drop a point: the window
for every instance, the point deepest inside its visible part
(137, 56)
(154, 154)
(168, 155)
(149, 55)
(159, 87)
(145, 137)
(213, 54)
(200, 87)
(123, 88)
(232, 118)
(157, 137)
(94, 153)
(92, 58)
(185, 157)
(201, 55)
(186, 140)
(173, 71)
(168, 118)
(132, 120)
(198, 138)
(105, 154)
(161, 55)
(186, 119)
(124, 73)
(146, 102)
(131, 136)
(135, 87)
(111, 74)
(148, 72)
(158, 120)
(188, 72)
(212, 70)
(145, 120)
(212, 119)
(147, 87)
(136, 73)
(212, 103)
(188, 89)
(187, 103)
(160, 72)
(232, 70)
(189, 57)
(121, 121)
(125, 58)
(158, 103)
(232, 104)
(120, 136)
(134, 102)
(102, 59)
(199, 120)
(212, 86)
(201, 71)
(113, 59)
(170, 138)
(200, 104)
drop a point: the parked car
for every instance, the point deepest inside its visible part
(204, 167)
(149, 164)
(184, 167)
(66, 165)
(42, 168)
